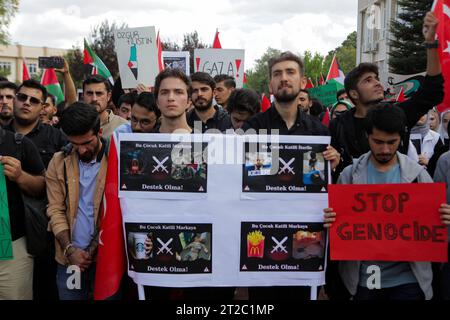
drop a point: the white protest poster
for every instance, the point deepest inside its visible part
(137, 56)
(223, 239)
(177, 60)
(221, 61)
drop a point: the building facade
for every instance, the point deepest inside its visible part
(373, 30)
(12, 57)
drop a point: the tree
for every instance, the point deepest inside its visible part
(258, 78)
(407, 54)
(170, 46)
(102, 40)
(313, 65)
(8, 8)
(190, 43)
(78, 70)
(345, 54)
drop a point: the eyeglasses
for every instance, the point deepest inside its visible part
(22, 97)
(143, 122)
(6, 96)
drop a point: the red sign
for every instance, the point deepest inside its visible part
(389, 222)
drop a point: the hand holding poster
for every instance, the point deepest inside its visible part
(137, 56)
(394, 222)
(221, 61)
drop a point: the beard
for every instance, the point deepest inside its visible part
(88, 156)
(202, 107)
(285, 97)
(382, 158)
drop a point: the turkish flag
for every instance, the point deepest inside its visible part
(442, 12)
(111, 259)
(216, 43)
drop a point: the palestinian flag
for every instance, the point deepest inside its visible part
(244, 83)
(335, 73)
(50, 82)
(98, 66)
(322, 80)
(132, 63)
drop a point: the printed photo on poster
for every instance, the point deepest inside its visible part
(285, 168)
(169, 248)
(149, 167)
(177, 60)
(282, 246)
(313, 168)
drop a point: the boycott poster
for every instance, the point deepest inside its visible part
(137, 56)
(163, 167)
(164, 250)
(221, 61)
(285, 168)
(393, 222)
(169, 248)
(176, 60)
(282, 246)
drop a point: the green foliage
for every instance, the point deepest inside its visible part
(78, 70)
(315, 64)
(258, 78)
(345, 54)
(102, 42)
(408, 55)
(8, 8)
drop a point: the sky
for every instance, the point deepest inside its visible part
(253, 25)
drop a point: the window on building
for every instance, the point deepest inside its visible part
(32, 68)
(5, 67)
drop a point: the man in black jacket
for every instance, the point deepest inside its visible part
(364, 88)
(205, 115)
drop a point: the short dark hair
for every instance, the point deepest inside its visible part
(147, 101)
(204, 78)
(172, 73)
(52, 97)
(386, 117)
(8, 85)
(339, 93)
(244, 100)
(79, 118)
(3, 78)
(97, 79)
(307, 92)
(35, 85)
(286, 56)
(353, 77)
(317, 107)
(128, 98)
(228, 81)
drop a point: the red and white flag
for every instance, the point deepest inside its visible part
(265, 103)
(25, 73)
(309, 84)
(441, 9)
(160, 57)
(216, 43)
(111, 258)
